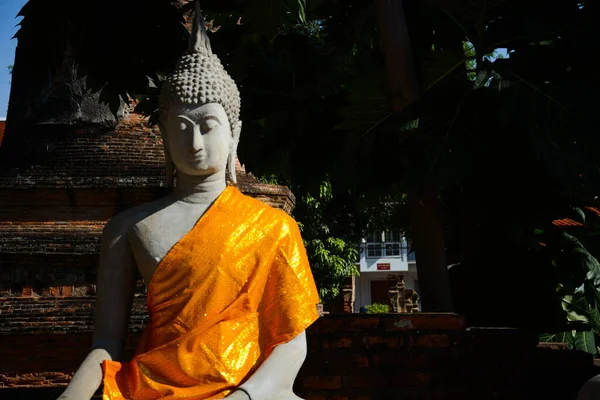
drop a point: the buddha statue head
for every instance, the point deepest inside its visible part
(199, 112)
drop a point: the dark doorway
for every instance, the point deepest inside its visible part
(379, 292)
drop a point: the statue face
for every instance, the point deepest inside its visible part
(199, 138)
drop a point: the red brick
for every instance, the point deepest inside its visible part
(66, 291)
(430, 340)
(401, 359)
(425, 321)
(364, 323)
(389, 342)
(338, 343)
(339, 361)
(360, 361)
(345, 323)
(322, 382)
(388, 379)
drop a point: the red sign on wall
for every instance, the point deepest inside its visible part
(383, 267)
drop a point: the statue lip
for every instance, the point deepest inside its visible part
(198, 157)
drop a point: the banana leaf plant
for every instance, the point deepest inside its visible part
(575, 252)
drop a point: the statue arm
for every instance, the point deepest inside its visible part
(274, 379)
(115, 288)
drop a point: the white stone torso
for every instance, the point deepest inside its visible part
(156, 227)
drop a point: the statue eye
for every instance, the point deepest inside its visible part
(209, 124)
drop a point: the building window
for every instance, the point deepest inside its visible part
(374, 250)
(392, 249)
(392, 236)
(374, 237)
(386, 244)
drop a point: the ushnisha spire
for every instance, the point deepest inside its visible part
(199, 77)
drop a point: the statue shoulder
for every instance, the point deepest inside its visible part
(283, 224)
(122, 223)
(254, 206)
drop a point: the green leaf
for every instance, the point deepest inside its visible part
(498, 83)
(584, 341)
(573, 309)
(482, 78)
(580, 214)
(410, 125)
(548, 338)
(566, 337)
(595, 318)
(377, 308)
(302, 11)
(587, 260)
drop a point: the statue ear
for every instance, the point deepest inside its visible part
(235, 133)
(235, 139)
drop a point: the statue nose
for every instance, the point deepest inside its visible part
(197, 140)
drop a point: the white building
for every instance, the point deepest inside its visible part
(383, 254)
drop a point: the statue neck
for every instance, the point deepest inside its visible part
(199, 189)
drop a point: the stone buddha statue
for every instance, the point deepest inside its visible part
(230, 291)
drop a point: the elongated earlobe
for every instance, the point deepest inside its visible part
(235, 139)
(231, 175)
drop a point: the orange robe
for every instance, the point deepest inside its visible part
(237, 285)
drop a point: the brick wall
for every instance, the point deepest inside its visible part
(65, 185)
(50, 238)
(129, 156)
(351, 357)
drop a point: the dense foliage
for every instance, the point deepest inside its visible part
(332, 253)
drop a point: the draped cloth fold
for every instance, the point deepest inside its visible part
(237, 285)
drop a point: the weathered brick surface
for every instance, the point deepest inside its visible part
(129, 156)
(58, 315)
(432, 356)
(53, 210)
(41, 274)
(366, 360)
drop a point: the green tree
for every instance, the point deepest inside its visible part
(332, 255)
(331, 247)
